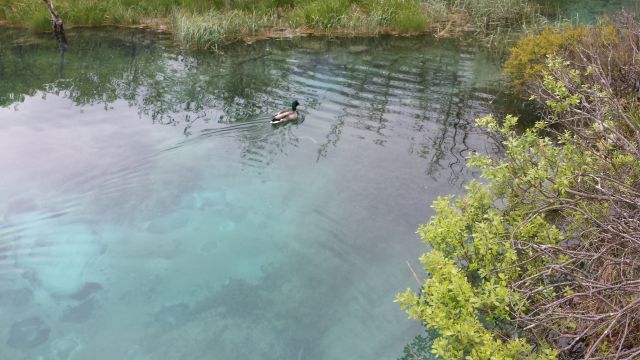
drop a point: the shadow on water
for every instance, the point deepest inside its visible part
(147, 185)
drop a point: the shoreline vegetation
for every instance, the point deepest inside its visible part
(200, 24)
(541, 260)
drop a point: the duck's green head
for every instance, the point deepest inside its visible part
(294, 105)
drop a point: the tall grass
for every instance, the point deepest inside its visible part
(74, 12)
(491, 14)
(404, 16)
(497, 23)
(207, 24)
(353, 17)
(98, 12)
(213, 29)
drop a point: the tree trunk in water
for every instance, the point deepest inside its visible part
(58, 29)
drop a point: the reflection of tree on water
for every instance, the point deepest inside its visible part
(440, 95)
(419, 348)
(448, 119)
(369, 81)
(433, 87)
(21, 75)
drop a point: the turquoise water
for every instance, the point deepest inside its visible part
(588, 11)
(148, 210)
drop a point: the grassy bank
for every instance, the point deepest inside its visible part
(208, 24)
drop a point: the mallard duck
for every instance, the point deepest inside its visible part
(285, 115)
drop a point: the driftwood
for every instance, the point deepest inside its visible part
(58, 29)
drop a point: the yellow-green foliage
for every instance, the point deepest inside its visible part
(526, 60)
(452, 307)
(490, 263)
(468, 297)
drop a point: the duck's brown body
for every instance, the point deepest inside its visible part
(286, 115)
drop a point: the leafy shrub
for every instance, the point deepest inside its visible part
(548, 249)
(468, 299)
(527, 58)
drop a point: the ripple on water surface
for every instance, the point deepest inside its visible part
(149, 208)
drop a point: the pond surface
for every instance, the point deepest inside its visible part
(148, 210)
(589, 11)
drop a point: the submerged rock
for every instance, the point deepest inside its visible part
(81, 312)
(28, 333)
(88, 289)
(16, 297)
(227, 226)
(57, 262)
(63, 348)
(209, 246)
(172, 316)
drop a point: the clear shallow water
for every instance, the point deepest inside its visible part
(589, 11)
(149, 211)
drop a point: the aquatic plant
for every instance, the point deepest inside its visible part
(28, 333)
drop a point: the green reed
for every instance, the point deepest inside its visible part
(214, 28)
(207, 24)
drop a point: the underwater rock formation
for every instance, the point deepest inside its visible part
(63, 348)
(56, 262)
(28, 333)
(88, 289)
(172, 316)
(81, 312)
(16, 297)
